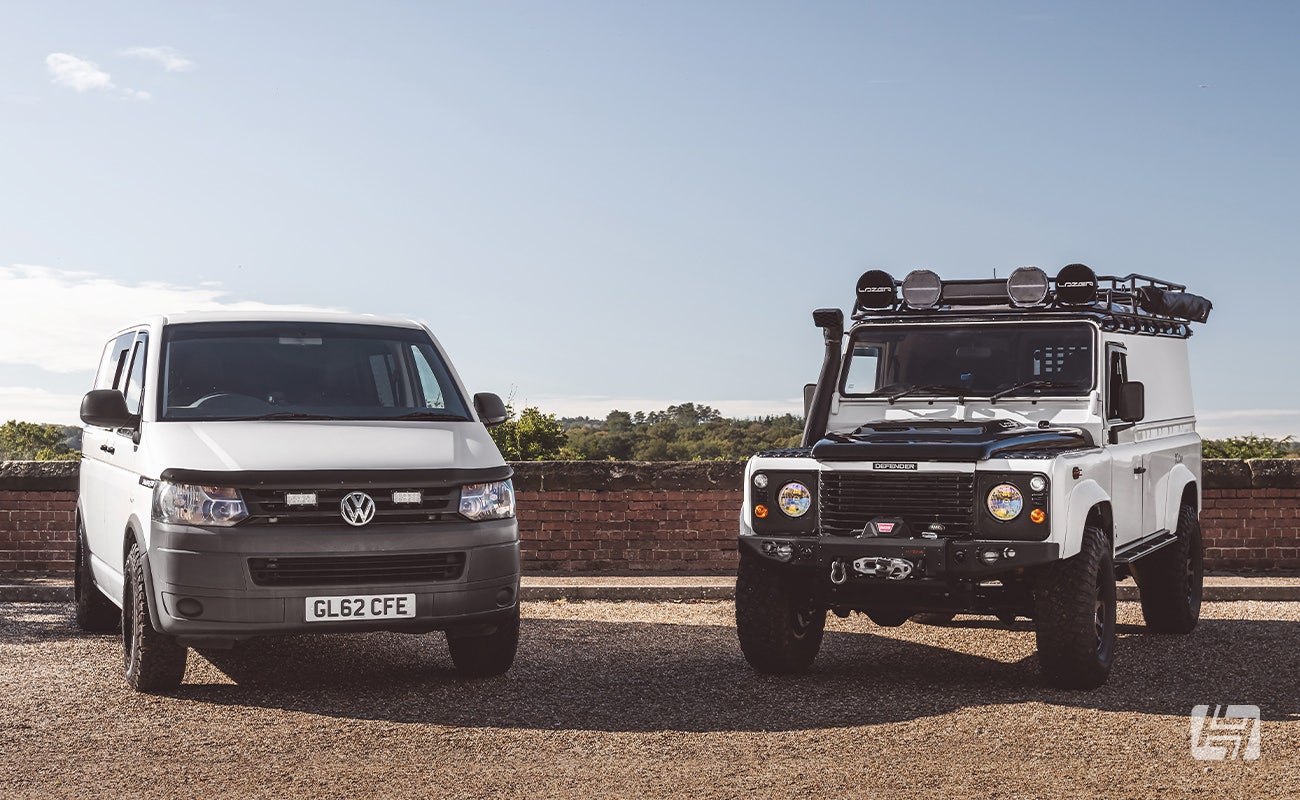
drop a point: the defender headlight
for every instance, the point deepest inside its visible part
(1005, 502)
(480, 501)
(794, 499)
(185, 504)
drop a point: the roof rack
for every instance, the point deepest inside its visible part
(1134, 303)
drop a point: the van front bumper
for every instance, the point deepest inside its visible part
(212, 585)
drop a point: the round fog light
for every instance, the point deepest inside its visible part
(990, 556)
(1038, 483)
(189, 607)
(760, 480)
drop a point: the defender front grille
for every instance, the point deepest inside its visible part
(849, 500)
(347, 570)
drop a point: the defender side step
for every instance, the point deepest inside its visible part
(1144, 547)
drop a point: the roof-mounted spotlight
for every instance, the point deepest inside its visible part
(1027, 286)
(922, 289)
(876, 291)
(1076, 285)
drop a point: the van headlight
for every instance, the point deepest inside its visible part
(186, 504)
(480, 501)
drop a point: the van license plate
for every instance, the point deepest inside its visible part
(360, 607)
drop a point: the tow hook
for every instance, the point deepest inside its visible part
(838, 574)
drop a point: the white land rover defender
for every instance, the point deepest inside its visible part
(246, 474)
(1001, 447)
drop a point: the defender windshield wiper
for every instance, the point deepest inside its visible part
(292, 415)
(434, 415)
(1032, 385)
(959, 391)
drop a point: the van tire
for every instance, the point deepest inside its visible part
(1170, 581)
(153, 661)
(779, 627)
(486, 656)
(1074, 615)
(92, 611)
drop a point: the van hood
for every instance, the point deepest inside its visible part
(301, 445)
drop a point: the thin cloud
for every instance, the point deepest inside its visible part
(76, 73)
(136, 94)
(62, 318)
(166, 57)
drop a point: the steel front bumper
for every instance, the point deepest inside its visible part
(214, 568)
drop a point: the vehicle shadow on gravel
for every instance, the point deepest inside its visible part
(636, 677)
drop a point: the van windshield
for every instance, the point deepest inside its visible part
(291, 370)
(980, 360)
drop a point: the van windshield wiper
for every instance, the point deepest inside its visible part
(1032, 385)
(434, 415)
(292, 415)
(959, 391)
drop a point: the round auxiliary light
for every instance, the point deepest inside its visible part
(1005, 502)
(760, 511)
(1027, 286)
(1076, 285)
(876, 290)
(794, 499)
(1037, 516)
(760, 481)
(1038, 483)
(922, 289)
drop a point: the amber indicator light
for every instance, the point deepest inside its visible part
(1037, 516)
(760, 511)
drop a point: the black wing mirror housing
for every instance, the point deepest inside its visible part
(1133, 404)
(106, 408)
(491, 411)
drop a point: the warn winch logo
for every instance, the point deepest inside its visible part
(894, 465)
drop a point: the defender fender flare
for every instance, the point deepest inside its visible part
(1179, 479)
(1085, 496)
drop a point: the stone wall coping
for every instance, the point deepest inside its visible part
(607, 476)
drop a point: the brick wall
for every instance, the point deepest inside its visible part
(661, 517)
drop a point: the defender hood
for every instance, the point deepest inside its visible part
(270, 446)
(947, 440)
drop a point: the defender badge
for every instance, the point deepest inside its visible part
(358, 508)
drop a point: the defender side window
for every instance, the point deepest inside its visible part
(864, 366)
(1116, 375)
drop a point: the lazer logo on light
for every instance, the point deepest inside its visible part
(895, 465)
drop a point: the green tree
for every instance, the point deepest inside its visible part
(31, 441)
(1248, 446)
(532, 436)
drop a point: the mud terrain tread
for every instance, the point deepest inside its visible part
(1163, 581)
(767, 608)
(1064, 615)
(153, 661)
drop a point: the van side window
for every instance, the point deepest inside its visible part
(113, 366)
(1116, 375)
(135, 382)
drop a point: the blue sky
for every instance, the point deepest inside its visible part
(606, 205)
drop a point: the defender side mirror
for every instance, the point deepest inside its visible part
(106, 408)
(491, 411)
(1132, 401)
(809, 389)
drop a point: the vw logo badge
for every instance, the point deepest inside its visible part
(358, 508)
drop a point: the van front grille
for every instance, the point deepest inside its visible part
(353, 570)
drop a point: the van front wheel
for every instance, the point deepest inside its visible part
(486, 656)
(154, 661)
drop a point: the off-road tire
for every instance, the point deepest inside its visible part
(889, 617)
(154, 662)
(1074, 615)
(1171, 579)
(486, 656)
(779, 626)
(92, 611)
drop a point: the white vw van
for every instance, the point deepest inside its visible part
(246, 474)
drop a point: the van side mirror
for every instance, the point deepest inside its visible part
(106, 408)
(1132, 399)
(491, 411)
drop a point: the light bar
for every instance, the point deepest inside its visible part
(876, 290)
(1076, 285)
(922, 289)
(1027, 286)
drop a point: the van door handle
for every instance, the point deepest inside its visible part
(108, 448)
(1139, 470)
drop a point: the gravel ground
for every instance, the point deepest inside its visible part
(648, 699)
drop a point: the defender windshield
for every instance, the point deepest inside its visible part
(980, 360)
(292, 370)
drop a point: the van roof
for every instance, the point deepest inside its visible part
(281, 315)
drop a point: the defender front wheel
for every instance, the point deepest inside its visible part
(779, 626)
(154, 661)
(1074, 615)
